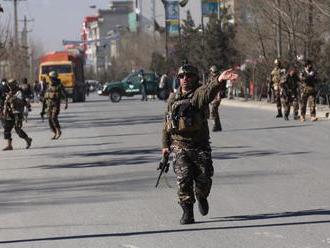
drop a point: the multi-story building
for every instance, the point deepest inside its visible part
(101, 34)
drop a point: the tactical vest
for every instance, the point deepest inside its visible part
(183, 116)
(53, 93)
(16, 103)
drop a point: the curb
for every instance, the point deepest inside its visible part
(321, 110)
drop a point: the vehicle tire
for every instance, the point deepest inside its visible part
(115, 96)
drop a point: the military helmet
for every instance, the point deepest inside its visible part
(12, 83)
(277, 62)
(188, 69)
(53, 74)
(214, 69)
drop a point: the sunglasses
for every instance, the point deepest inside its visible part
(187, 75)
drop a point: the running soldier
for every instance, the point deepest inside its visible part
(12, 115)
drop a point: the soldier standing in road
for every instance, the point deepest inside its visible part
(308, 81)
(289, 93)
(52, 102)
(214, 73)
(143, 86)
(276, 75)
(186, 134)
(13, 115)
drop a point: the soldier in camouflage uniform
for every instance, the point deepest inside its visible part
(52, 102)
(12, 113)
(275, 79)
(289, 93)
(308, 82)
(214, 72)
(186, 135)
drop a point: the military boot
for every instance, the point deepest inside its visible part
(279, 114)
(286, 117)
(58, 134)
(9, 146)
(296, 117)
(203, 206)
(314, 118)
(302, 118)
(188, 214)
(54, 136)
(28, 142)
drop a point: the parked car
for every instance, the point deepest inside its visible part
(131, 86)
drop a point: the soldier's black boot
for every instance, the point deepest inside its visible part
(28, 142)
(296, 117)
(58, 133)
(279, 114)
(188, 214)
(203, 206)
(286, 117)
(9, 146)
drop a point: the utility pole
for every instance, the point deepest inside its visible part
(15, 43)
(25, 48)
(15, 2)
(279, 30)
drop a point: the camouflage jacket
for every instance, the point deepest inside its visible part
(53, 95)
(308, 80)
(14, 104)
(191, 108)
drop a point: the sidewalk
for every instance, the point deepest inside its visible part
(321, 110)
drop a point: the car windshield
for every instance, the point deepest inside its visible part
(59, 68)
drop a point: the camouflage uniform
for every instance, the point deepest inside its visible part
(308, 92)
(52, 102)
(214, 73)
(289, 94)
(13, 115)
(186, 133)
(276, 78)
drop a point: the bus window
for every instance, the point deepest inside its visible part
(59, 68)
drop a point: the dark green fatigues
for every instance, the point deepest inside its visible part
(186, 133)
(275, 79)
(13, 115)
(52, 102)
(289, 94)
(308, 92)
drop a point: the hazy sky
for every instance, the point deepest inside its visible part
(55, 20)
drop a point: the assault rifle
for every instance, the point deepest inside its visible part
(164, 165)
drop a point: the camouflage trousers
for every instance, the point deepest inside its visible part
(193, 169)
(287, 101)
(277, 98)
(17, 123)
(53, 113)
(215, 111)
(305, 97)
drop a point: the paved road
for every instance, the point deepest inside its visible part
(95, 186)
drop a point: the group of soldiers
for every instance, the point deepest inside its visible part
(294, 87)
(13, 100)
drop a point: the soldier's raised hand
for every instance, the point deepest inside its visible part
(229, 74)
